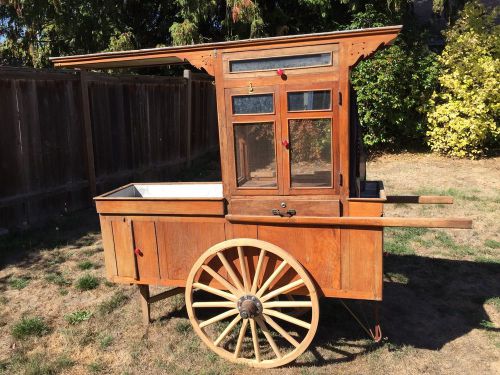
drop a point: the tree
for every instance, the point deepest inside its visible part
(464, 113)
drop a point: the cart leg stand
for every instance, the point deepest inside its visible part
(145, 304)
(147, 300)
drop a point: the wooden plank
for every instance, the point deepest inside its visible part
(416, 222)
(87, 127)
(145, 242)
(189, 113)
(161, 207)
(181, 243)
(109, 247)
(145, 304)
(124, 250)
(420, 199)
(166, 294)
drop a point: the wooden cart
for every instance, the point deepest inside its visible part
(293, 219)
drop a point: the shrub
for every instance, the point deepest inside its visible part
(87, 282)
(394, 86)
(30, 327)
(463, 120)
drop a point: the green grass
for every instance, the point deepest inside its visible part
(105, 341)
(492, 244)
(87, 282)
(495, 302)
(19, 282)
(78, 317)
(30, 327)
(86, 265)
(446, 241)
(398, 240)
(183, 327)
(96, 367)
(58, 279)
(111, 304)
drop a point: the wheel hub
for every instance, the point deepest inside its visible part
(249, 306)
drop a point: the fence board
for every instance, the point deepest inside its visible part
(138, 133)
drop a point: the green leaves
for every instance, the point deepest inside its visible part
(464, 113)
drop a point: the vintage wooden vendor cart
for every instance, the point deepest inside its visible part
(293, 219)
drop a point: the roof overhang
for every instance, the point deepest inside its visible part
(199, 54)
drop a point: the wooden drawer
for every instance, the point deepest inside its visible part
(264, 206)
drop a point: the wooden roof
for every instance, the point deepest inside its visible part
(198, 53)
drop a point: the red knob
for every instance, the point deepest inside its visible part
(280, 72)
(138, 252)
(285, 143)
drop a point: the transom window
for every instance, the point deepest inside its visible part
(283, 62)
(309, 100)
(253, 104)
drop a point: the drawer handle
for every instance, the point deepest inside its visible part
(288, 213)
(138, 252)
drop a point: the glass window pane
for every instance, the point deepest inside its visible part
(309, 100)
(283, 62)
(257, 103)
(255, 155)
(310, 152)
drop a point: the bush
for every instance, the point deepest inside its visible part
(393, 88)
(463, 120)
(87, 282)
(30, 327)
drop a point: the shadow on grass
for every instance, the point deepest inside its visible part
(438, 301)
(74, 230)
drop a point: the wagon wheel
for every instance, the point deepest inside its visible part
(247, 275)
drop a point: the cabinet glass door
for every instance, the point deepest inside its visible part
(310, 135)
(254, 129)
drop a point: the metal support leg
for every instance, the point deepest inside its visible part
(145, 304)
(374, 333)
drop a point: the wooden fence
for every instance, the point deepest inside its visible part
(66, 136)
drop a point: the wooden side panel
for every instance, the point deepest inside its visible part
(362, 269)
(124, 249)
(109, 247)
(317, 249)
(145, 241)
(240, 231)
(181, 243)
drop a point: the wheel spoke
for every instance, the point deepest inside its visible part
(241, 336)
(255, 340)
(216, 318)
(211, 304)
(280, 330)
(281, 290)
(269, 337)
(243, 266)
(271, 278)
(220, 279)
(215, 291)
(228, 329)
(257, 271)
(280, 304)
(287, 318)
(230, 271)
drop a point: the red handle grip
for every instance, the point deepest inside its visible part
(138, 252)
(285, 143)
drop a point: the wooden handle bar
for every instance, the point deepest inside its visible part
(416, 222)
(420, 199)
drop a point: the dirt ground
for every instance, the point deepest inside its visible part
(440, 314)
